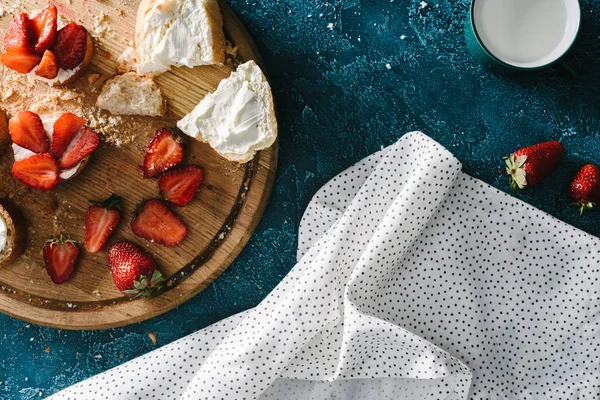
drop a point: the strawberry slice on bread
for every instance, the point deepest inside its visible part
(36, 46)
(63, 144)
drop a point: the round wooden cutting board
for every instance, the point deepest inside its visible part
(220, 219)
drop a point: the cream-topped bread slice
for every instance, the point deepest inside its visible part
(238, 119)
(132, 94)
(175, 33)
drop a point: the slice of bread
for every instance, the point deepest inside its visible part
(238, 119)
(13, 231)
(175, 33)
(131, 94)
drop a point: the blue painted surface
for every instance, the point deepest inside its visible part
(349, 77)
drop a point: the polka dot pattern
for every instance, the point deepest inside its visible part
(414, 281)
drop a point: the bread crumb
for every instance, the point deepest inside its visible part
(92, 78)
(47, 350)
(152, 336)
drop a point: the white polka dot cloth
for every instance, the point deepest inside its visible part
(414, 281)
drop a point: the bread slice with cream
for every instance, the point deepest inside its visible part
(175, 33)
(13, 232)
(132, 94)
(238, 119)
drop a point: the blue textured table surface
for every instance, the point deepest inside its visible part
(349, 77)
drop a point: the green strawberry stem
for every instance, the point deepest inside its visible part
(582, 205)
(143, 288)
(114, 202)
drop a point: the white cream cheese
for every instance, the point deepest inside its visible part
(3, 234)
(62, 77)
(21, 153)
(235, 119)
(174, 33)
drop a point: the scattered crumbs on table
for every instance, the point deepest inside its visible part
(98, 356)
(152, 336)
(47, 350)
(423, 4)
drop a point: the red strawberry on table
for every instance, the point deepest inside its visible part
(585, 188)
(164, 152)
(133, 270)
(40, 171)
(60, 256)
(47, 68)
(81, 147)
(20, 33)
(179, 185)
(531, 165)
(22, 60)
(155, 222)
(70, 47)
(64, 130)
(101, 220)
(44, 26)
(27, 130)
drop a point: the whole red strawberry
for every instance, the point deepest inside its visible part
(101, 220)
(531, 165)
(133, 270)
(60, 256)
(585, 187)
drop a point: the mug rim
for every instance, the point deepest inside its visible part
(518, 67)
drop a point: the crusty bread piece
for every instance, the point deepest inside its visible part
(238, 119)
(131, 94)
(16, 232)
(206, 23)
(4, 135)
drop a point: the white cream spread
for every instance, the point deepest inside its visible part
(62, 77)
(234, 119)
(3, 234)
(175, 33)
(21, 153)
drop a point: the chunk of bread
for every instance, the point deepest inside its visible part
(15, 232)
(175, 33)
(238, 119)
(131, 94)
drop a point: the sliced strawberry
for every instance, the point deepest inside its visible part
(60, 256)
(64, 130)
(45, 25)
(178, 186)
(133, 270)
(164, 152)
(22, 60)
(39, 171)
(47, 68)
(70, 47)
(82, 146)
(27, 130)
(101, 220)
(20, 33)
(154, 221)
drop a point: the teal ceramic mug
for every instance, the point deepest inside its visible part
(523, 35)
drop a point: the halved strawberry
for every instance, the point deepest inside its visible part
(82, 146)
(22, 60)
(60, 256)
(45, 25)
(39, 171)
(70, 47)
(178, 186)
(64, 130)
(154, 221)
(27, 130)
(47, 68)
(20, 33)
(101, 220)
(164, 152)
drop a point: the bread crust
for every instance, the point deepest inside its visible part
(215, 21)
(17, 229)
(4, 135)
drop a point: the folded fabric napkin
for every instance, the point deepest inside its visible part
(414, 281)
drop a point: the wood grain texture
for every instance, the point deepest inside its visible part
(220, 219)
